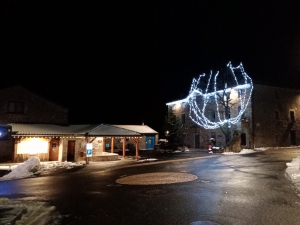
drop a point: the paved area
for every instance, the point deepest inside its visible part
(34, 213)
(13, 212)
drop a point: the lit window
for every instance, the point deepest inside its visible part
(15, 107)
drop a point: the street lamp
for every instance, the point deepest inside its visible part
(167, 133)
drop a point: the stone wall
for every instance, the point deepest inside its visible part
(190, 128)
(6, 150)
(36, 108)
(271, 116)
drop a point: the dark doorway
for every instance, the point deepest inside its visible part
(197, 140)
(292, 116)
(71, 151)
(243, 139)
(293, 137)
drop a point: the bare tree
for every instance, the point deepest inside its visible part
(219, 101)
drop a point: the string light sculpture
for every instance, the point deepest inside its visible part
(219, 96)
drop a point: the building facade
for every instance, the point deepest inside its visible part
(69, 143)
(271, 119)
(42, 126)
(19, 105)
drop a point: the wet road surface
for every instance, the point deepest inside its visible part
(229, 189)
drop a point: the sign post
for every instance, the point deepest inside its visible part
(89, 151)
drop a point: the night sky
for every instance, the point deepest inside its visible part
(119, 62)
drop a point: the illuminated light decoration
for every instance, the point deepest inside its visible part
(207, 99)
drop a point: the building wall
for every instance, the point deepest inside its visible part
(35, 108)
(6, 153)
(271, 116)
(192, 130)
(18, 105)
(267, 121)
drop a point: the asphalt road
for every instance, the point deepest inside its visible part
(229, 189)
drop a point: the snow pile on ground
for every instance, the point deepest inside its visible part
(25, 169)
(54, 165)
(33, 166)
(181, 149)
(147, 160)
(292, 169)
(245, 151)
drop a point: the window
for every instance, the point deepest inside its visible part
(276, 115)
(211, 99)
(183, 118)
(228, 114)
(15, 107)
(292, 115)
(240, 93)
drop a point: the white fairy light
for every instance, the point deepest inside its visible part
(210, 100)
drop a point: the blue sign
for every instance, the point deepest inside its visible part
(89, 153)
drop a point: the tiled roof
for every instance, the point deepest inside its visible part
(142, 129)
(46, 129)
(111, 130)
(76, 130)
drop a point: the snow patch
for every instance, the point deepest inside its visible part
(23, 170)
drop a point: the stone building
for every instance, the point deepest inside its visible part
(19, 105)
(69, 143)
(39, 126)
(271, 119)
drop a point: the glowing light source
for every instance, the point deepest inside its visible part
(33, 146)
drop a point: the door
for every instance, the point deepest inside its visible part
(293, 137)
(71, 151)
(53, 151)
(243, 139)
(149, 142)
(197, 140)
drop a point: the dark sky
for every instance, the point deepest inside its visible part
(119, 62)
